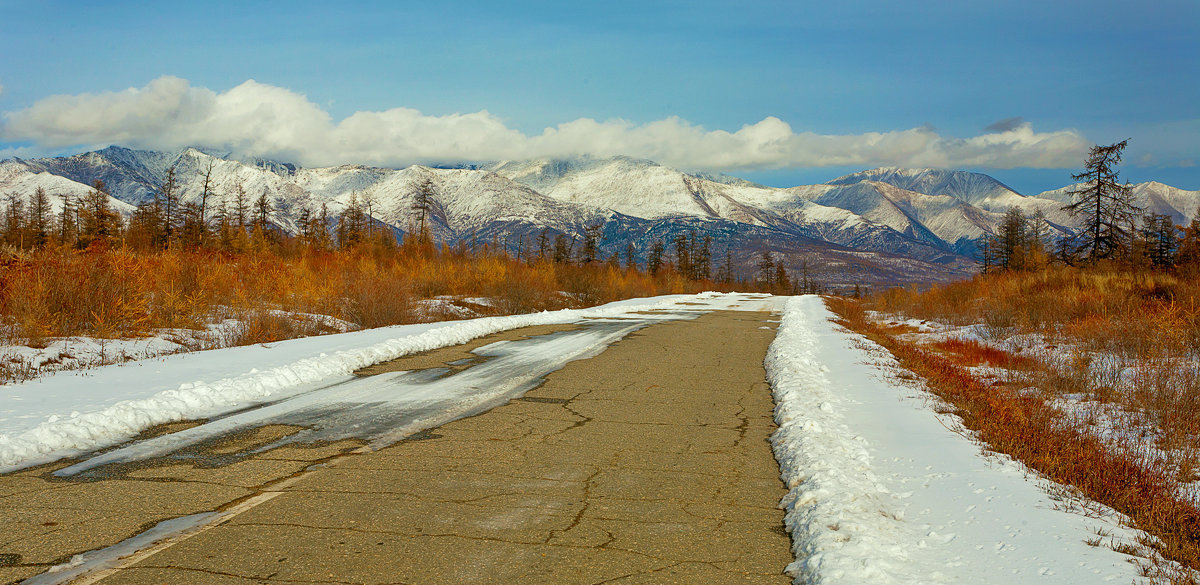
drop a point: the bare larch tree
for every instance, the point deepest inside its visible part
(1105, 203)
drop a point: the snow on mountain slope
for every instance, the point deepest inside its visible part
(801, 213)
(131, 175)
(977, 189)
(638, 202)
(465, 201)
(985, 197)
(1180, 204)
(953, 220)
(647, 190)
(135, 176)
(560, 194)
(18, 178)
(637, 188)
(1162, 199)
(285, 196)
(1060, 195)
(332, 182)
(905, 211)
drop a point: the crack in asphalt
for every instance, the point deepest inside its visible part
(268, 578)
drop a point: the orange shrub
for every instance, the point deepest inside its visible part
(102, 292)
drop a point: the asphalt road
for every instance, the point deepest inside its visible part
(647, 463)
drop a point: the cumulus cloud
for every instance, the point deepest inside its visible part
(273, 122)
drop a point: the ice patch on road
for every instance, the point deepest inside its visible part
(388, 407)
(107, 558)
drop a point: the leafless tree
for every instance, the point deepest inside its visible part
(423, 195)
(1105, 203)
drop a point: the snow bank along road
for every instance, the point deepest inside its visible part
(882, 490)
(647, 461)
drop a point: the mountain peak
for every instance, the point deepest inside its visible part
(543, 173)
(725, 179)
(899, 172)
(973, 188)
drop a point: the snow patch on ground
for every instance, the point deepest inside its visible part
(844, 522)
(226, 327)
(448, 306)
(883, 489)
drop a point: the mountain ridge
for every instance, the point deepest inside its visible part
(915, 224)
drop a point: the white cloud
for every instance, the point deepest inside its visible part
(1, 89)
(274, 122)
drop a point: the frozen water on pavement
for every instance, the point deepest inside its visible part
(388, 407)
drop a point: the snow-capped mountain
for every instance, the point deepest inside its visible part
(466, 203)
(940, 220)
(1181, 205)
(976, 189)
(16, 178)
(637, 188)
(881, 225)
(131, 176)
(647, 190)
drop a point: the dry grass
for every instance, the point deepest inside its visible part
(1108, 322)
(1132, 314)
(122, 293)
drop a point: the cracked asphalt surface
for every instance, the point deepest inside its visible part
(646, 464)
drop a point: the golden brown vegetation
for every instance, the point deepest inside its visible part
(120, 292)
(1127, 337)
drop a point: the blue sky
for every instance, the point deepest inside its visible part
(854, 84)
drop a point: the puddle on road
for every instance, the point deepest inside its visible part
(168, 428)
(378, 409)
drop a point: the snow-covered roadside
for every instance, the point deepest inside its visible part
(882, 490)
(68, 412)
